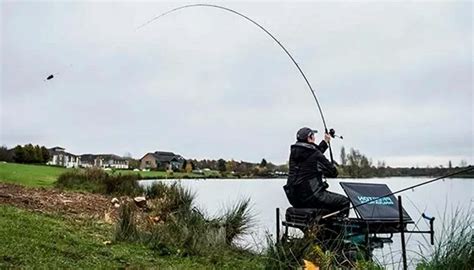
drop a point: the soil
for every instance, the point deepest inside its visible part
(55, 201)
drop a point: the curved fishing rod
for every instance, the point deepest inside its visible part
(268, 33)
(469, 168)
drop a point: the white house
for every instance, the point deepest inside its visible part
(103, 161)
(59, 157)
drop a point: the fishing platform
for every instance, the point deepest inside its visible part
(378, 217)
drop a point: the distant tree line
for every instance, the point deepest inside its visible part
(356, 165)
(353, 164)
(25, 154)
(236, 168)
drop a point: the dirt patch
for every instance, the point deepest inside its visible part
(76, 204)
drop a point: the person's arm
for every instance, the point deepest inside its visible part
(325, 166)
(323, 146)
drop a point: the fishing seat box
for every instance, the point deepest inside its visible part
(380, 216)
(302, 217)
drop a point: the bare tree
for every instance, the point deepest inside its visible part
(343, 157)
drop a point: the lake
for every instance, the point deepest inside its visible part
(439, 199)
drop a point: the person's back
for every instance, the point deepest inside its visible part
(307, 166)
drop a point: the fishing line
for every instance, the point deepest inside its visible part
(269, 34)
(469, 168)
(421, 217)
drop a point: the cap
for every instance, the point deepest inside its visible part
(303, 134)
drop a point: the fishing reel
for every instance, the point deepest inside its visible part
(333, 134)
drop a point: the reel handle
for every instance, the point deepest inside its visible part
(333, 134)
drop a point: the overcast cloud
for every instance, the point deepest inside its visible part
(394, 78)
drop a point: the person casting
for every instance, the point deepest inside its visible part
(308, 165)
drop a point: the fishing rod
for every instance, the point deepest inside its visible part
(469, 168)
(330, 132)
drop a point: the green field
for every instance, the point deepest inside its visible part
(45, 176)
(31, 240)
(30, 175)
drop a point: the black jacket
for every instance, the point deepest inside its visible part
(307, 167)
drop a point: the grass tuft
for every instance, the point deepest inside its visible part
(237, 220)
(126, 227)
(170, 198)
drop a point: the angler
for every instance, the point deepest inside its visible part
(305, 187)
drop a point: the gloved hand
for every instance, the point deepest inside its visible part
(327, 138)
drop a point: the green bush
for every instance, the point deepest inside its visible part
(122, 184)
(99, 181)
(88, 180)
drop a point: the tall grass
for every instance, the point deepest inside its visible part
(291, 253)
(455, 248)
(287, 254)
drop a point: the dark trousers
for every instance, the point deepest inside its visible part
(328, 200)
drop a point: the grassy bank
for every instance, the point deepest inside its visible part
(30, 175)
(165, 175)
(32, 240)
(170, 233)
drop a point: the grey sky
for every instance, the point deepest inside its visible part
(394, 78)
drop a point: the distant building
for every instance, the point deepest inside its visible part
(160, 160)
(59, 157)
(103, 161)
(88, 161)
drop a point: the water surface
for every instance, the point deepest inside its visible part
(439, 199)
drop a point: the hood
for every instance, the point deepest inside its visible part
(300, 151)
